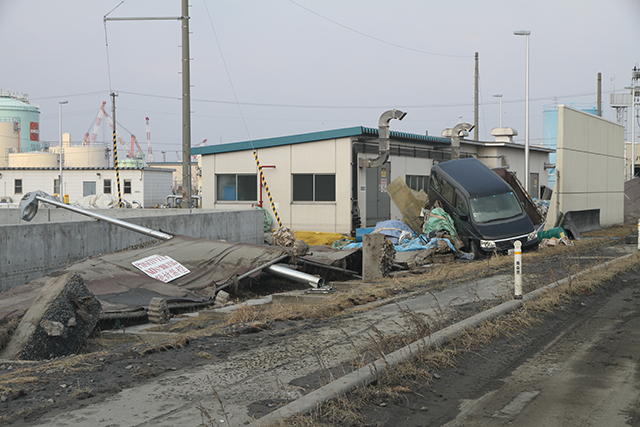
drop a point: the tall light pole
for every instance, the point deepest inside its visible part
(635, 96)
(526, 120)
(499, 95)
(60, 135)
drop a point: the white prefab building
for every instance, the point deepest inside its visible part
(317, 181)
(149, 186)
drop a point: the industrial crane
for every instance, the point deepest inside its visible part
(92, 135)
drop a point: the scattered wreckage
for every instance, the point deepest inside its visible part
(182, 273)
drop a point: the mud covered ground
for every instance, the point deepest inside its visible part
(45, 393)
(479, 389)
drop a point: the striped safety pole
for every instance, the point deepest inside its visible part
(115, 149)
(115, 160)
(264, 182)
(517, 269)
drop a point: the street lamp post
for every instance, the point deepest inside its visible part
(635, 94)
(499, 95)
(526, 120)
(60, 135)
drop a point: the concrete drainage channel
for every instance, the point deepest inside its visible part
(367, 374)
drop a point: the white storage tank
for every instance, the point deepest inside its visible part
(33, 160)
(85, 157)
(9, 141)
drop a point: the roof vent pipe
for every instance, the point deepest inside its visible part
(383, 139)
(456, 134)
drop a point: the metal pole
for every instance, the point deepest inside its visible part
(186, 107)
(115, 148)
(475, 103)
(296, 276)
(526, 126)
(499, 95)
(60, 135)
(114, 221)
(599, 100)
(633, 135)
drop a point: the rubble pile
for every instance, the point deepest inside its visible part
(58, 323)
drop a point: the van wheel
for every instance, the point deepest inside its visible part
(475, 250)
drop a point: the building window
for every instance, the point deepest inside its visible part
(106, 187)
(314, 188)
(56, 186)
(232, 187)
(18, 186)
(418, 182)
(127, 186)
(88, 188)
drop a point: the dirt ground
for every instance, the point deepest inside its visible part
(36, 393)
(485, 381)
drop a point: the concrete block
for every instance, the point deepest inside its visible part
(371, 252)
(158, 311)
(58, 322)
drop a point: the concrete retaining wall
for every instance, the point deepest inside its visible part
(32, 250)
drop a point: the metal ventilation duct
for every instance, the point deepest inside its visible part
(383, 139)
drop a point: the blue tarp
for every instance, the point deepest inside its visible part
(392, 228)
(419, 243)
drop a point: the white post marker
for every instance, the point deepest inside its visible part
(517, 269)
(639, 234)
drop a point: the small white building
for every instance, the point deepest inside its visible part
(149, 186)
(316, 180)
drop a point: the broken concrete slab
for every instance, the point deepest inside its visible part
(407, 202)
(378, 255)
(158, 312)
(58, 322)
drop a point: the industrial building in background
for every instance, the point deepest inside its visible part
(28, 164)
(331, 181)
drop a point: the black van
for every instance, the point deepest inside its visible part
(487, 214)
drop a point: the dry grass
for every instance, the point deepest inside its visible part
(385, 291)
(396, 382)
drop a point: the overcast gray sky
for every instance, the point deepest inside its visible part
(309, 65)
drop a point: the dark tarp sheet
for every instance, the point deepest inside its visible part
(122, 287)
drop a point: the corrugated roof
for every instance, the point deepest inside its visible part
(318, 136)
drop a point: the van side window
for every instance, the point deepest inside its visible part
(436, 182)
(461, 206)
(447, 192)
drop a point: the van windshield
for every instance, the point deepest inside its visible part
(495, 207)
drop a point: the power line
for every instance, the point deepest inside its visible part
(376, 38)
(358, 107)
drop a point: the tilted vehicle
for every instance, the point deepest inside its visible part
(487, 214)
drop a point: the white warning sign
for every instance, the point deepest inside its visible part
(161, 267)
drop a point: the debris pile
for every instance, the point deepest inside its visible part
(58, 322)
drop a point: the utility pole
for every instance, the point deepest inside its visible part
(186, 107)
(475, 103)
(186, 94)
(599, 95)
(115, 147)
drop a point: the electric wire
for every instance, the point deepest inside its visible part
(106, 41)
(376, 38)
(353, 107)
(244, 122)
